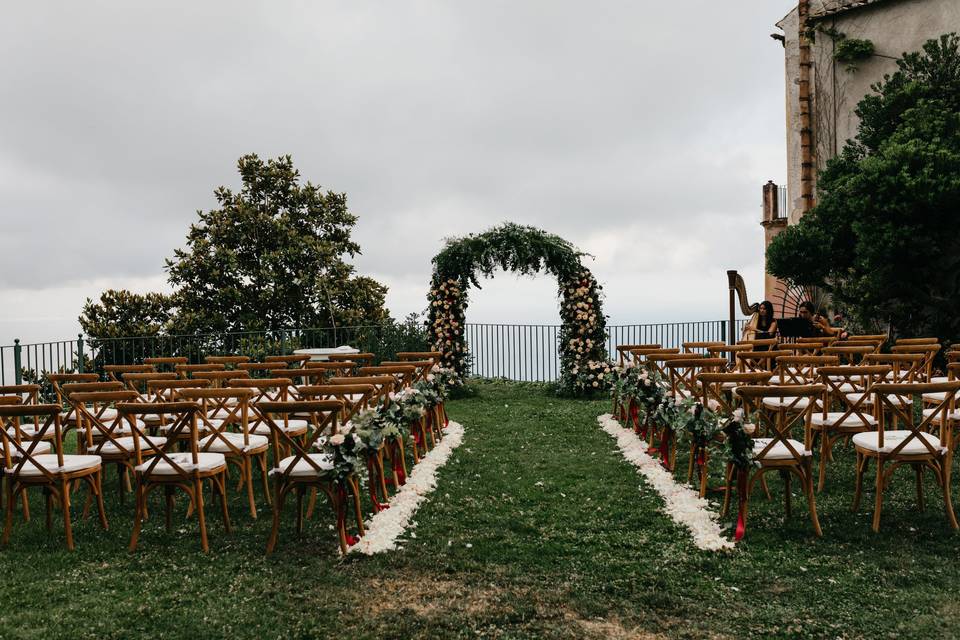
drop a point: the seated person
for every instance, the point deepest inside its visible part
(762, 324)
(820, 326)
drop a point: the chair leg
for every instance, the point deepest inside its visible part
(878, 503)
(918, 474)
(248, 472)
(811, 499)
(224, 509)
(65, 503)
(265, 477)
(26, 504)
(141, 499)
(357, 508)
(97, 482)
(198, 499)
(945, 470)
(277, 507)
(311, 503)
(786, 493)
(861, 467)
(824, 456)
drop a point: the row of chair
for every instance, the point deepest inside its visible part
(183, 432)
(832, 393)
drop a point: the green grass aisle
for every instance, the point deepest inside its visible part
(538, 528)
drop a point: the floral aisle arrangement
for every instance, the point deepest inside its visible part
(636, 393)
(738, 446)
(583, 355)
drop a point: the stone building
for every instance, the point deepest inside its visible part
(834, 50)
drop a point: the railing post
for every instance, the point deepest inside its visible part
(80, 357)
(17, 373)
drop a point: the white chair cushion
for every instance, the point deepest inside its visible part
(71, 464)
(206, 461)
(938, 379)
(303, 469)
(121, 429)
(779, 450)
(292, 427)
(870, 441)
(31, 430)
(851, 421)
(236, 439)
(223, 414)
(41, 448)
(868, 401)
(952, 416)
(108, 447)
(776, 403)
(937, 396)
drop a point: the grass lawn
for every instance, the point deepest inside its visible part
(538, 528)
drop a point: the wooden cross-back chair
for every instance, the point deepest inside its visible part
(422, 367)
(361, 359)
(716, 394)
(801, 369)
(29, 395)
(293, 360)
(57, 380)
(914, 445)
(877, 337)
(260, 369)
(303, 469)
(405, 356)
(110, 438)
(801, 348)
(159, 391)
(138, 381)
(403, 374)
(625, 351)
(114, 371)
(25, 467)
(299, 377)
(228, 361)
(220, 378)
(102, 411)
(876, 345)
(701, 346)
(757, 361)
(273, 390)
(188, 470)
(848, 355)
(683, 373)
(916, 341)
(383, 385)
(760, 344)
(779, 451)
(929, 352)
(905, 368)
(847, 407)
(333, 369)
(240, 448)
(166, 363)
(356, 398)
(657, 363)
(187, 370)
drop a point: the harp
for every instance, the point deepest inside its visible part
(738, 293)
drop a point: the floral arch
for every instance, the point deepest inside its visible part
(525, 250)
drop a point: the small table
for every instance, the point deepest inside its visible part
(323, 355)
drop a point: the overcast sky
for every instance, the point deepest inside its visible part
(641, 131)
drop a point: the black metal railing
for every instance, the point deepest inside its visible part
(524, 352)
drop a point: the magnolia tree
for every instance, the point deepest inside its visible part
(582, 344)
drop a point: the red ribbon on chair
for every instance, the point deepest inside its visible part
(342, 515)
(399, 477)
(741, 504)
(635, 415)
(372, 475)
(664, 449)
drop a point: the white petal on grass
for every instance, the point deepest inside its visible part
(384, 529)
(681, 503)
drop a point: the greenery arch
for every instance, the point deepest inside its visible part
(583, 354)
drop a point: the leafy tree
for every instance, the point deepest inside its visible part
(271, 256)
(121, 313)
(882, 237)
